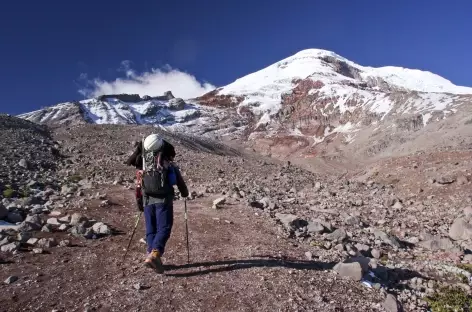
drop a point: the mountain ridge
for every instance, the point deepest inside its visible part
(313, 101)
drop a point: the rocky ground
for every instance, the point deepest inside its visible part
(265, 235)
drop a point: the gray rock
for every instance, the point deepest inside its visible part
(10, 247)
(23, 237)
(217, 203)
(14, 217)
(38, 250)
(29, 227)
(460, 230)
(77, 218)
(89, 234)
(391, 304)
(397, 205)
(52, 221)
(376, 253)
(32, 241)
(387, 239)
(445, 180)
(358, 203)
(34, 219)
(66, 189)
(37, 209)
(351, 220)
(63, 227)
(47, 228)
(461, 180)
(315, 227)
(23, 163)
(317, 186)
(362, 247)
(176, 104)
(309, 255)
(351, 270)
(79, 229)
(137, 286)
(6, 240)
(290, 222)
(65, 219)
(101, 228)
(338, 235)
(437, 243)
(55, 213)
(468, 211)
(3, 212)
(47, 242)
(11, 279)
(65, 243)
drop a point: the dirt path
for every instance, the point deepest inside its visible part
(238, 263)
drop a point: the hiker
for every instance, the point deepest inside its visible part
(156, 182)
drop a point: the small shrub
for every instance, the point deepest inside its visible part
(465, 266)
(9, 193)
(449, 299)
(75, 178)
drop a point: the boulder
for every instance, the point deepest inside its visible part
(101, 228)
(32, 241)
(52, 221)
(461, 180)
(290, 221)
(10, 247)
(11, 279)
(23, 237)
(387, 239)
(176, 104)
(338, 235)
(23, 163)
(65, 219)
(460, 230)
(351, 270)
(391, 304)
(315, 227)
(14, 217)
(47, 242)
(63, 227)
(217, 203)
(3, 212)
(77, 218)
(438, 243)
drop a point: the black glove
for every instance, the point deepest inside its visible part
(139, 203)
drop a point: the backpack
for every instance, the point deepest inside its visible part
(158, 175)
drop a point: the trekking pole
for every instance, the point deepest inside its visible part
(131, 238)
(186, 231)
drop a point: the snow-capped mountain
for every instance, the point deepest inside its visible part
(302, 102)
(316, 96)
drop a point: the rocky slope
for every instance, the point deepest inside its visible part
(260, 230)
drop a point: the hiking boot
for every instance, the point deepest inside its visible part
(154, 262)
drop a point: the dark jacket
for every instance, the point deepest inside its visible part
(136, 159)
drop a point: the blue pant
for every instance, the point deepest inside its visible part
(159, 219)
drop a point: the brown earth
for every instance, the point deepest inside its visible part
(238, 263)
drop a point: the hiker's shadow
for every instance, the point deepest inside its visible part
(232, 265)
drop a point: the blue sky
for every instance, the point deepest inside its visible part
(51, 49)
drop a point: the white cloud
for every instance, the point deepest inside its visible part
(152, 83)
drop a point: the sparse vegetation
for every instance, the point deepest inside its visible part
(75, 178)
(449, 300)
(9, 192)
